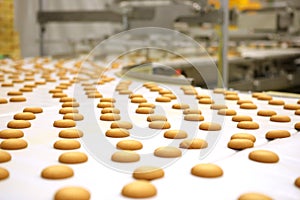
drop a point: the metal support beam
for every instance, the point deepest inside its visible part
(224, 41)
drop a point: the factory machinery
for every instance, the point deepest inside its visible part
(255, 47)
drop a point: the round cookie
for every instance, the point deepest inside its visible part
(70, 104)
(243, 136)
(34, 110)
(73, 157)
(67, 99)
(230, 93)
(139, 189)
(227, 112)
(249, 106)
(64, 123)
(67, 144)
(297, 126)
(24, 116)
(105, 105)
(264, 97)
(59, 95)
(121, 124)
(241, 101)
(254, 196)
(110, 110)
(57, 172)
(218, 106)
(239, 118)
(4, 156)
(248, 125)
(18, 124)
(175, 134)
(125, 92)
(232, 97)
(110, 117)
(192, 111)
(266, 113)
(167, 152)
(162, 92)
(195, 143)
(210, 126)
(180, 106)
(159, 125)
(297, 182)
(108, 99)
(163, 99)
(280, 118)
(125, 156)
(264, 156)
(219, 91)
(11, 133)
(138, 100)
(297, 112)
(207, 170)
(4, 173)
(276, 102)
(17, 99)
(148, 173)
(117, 133)
(13, 144)
(152, 118)
(72, 193)
(70, 133)
(240, 144)
(14, 93)
(147, 105)
(193, 117)
(3, 101)
(66, 110)
(129, 145)
(291, 106)
(144, 110)
(171, 96)
(135, 95)
(206, 101)
(200, 96)
(275, 134)
(73, 116)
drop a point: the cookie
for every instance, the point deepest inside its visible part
(200, 96)
(70, 133)
(180, 106)
(241, 101)
(72, 193)
(297, 182)
(230, 93)
(52, 91)
(129, 145)
(17, 99)
(68, 144)
(73, 157)
(66, 110)
(218, 106)
(138, 100)
(24, 116)
(162, 92)
(124, 92)
(148, 105)
(11, 133)
(297, 112)
(167, 152)
(171, 96)
(105, 105)
(14, 93)
(144, 110)
(192, 111)
(243, 136)
(4, 156)
(67, 99)
(121, 124)
(163, 99)
(207, 170)
(117, 133)
(291, 106)
(94, 95)
(26, 89)
(4, 173)
(57, 172)
(13, 144)
(239, 118)
(193, 117)
(110, 117)
(175, 134)
(264, 156)
(73, 116)
(148, 173)
(254, 196)
(108, 99)
(3, 101)
(297, 126)
(59, 95)
(210, 126)
(139, 189)
(206, 101)
(227, 112)
(232, 97)
(276, 102)
(135, 95)
(64, 123)
(110, 110)
(125, 156)
(7, 85)
(70, 104)
(152, 118)
(159, 125)
(18, 124)
(34, 110)
(266, 113)
(248, 106)
(155, 89)
(219, 91)
(280, 118)
(274, 134)
(240, 144)
(195, 143)
(248, 125)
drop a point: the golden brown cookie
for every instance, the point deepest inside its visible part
(148, 173)
(17, 99)
(193, 117)
(72, 193)
(274, 134)
(180, 106)
(297, 126)
(18, 124)
(105, 105)
(73, 116)
(139, 189)
(291, 106)
(11, 133)
(125, 156)
(297, 112)
(110, 117)
(152, 118)
(70, 133)
(73, 157)
(67, 99)
(4, 173)
(171, 96)
(148, 105)
(57, 172)
(163, 99)
(121, 124)
(218, 106)
(64, 123)
(243, 136)
(59, 95)
(210, 126)
(110, 110)
(219, 90)
(200, 96)
(241, 101)
(129, 145)
(206, 101)
(66, 110)
(240, 144)
(24, 116)
(3, 101)
(117, 133)
(34, 110)
(144, 110)
(70, 104)
(254, 196)
(135, 95)
(4, 156)
(13, 144)
(280, 118)
(248, 125)
(138, 100)
(159, 125)
(232, 97)
(297, 182)
(266, 113)
(207, 170)
(167, 152)
(248, 106)
(195, 143)
(264, 156)
(264, 97)
(125, 92)
(175, 134)
(227, 112)
(276, 102)
(239, 118)
(192, 111)
(67, 144)
(108, 99)
(14, 93)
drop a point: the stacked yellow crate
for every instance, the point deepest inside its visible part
(9, 38)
